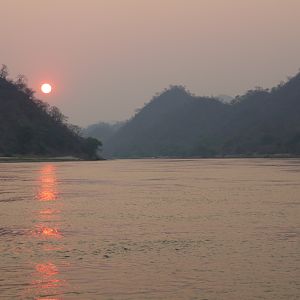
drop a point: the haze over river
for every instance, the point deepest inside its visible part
(150, 229)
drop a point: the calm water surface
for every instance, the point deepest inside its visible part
(150, 229)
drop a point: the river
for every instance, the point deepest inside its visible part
(150, 229)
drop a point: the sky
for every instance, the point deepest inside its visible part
(106, 58)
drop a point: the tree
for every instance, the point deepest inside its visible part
(21, 82)
(75, 129)
(91, 147)
(42, 105)
(57, 115)
(3, 71)
(29, 92)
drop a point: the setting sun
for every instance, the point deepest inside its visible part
(46, 88)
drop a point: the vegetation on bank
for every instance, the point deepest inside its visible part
(30, 127)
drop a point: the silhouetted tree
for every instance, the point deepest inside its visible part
(91, 146)
(21, 82)
(75, 129)
(3, 72)
(57, 115)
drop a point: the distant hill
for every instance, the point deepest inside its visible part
(178, 124)
(225, 98)
(102, 131)
(29, 126)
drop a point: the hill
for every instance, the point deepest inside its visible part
(179, 124)
(29, 126)
(102, 131)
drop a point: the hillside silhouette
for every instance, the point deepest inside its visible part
(176, 123)
(102, 131)
(29, 126)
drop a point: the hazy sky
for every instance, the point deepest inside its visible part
(106, 58)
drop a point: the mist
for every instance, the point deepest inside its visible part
(107, 58)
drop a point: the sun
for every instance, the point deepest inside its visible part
(46, 88)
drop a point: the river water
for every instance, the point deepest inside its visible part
(150, 229)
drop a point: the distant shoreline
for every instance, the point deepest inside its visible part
(283, 155)
(15, 159)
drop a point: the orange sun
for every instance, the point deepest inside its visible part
(46, 88)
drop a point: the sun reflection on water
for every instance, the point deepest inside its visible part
(47, 195)
(47, 184)
(47, 269)
(46, 281)
(46, 231)
(49, 211)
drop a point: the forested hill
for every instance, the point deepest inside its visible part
(29, 126)
(178, 124)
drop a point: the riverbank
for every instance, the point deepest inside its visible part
(7, 159)
(228, 156)
(12, 159)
